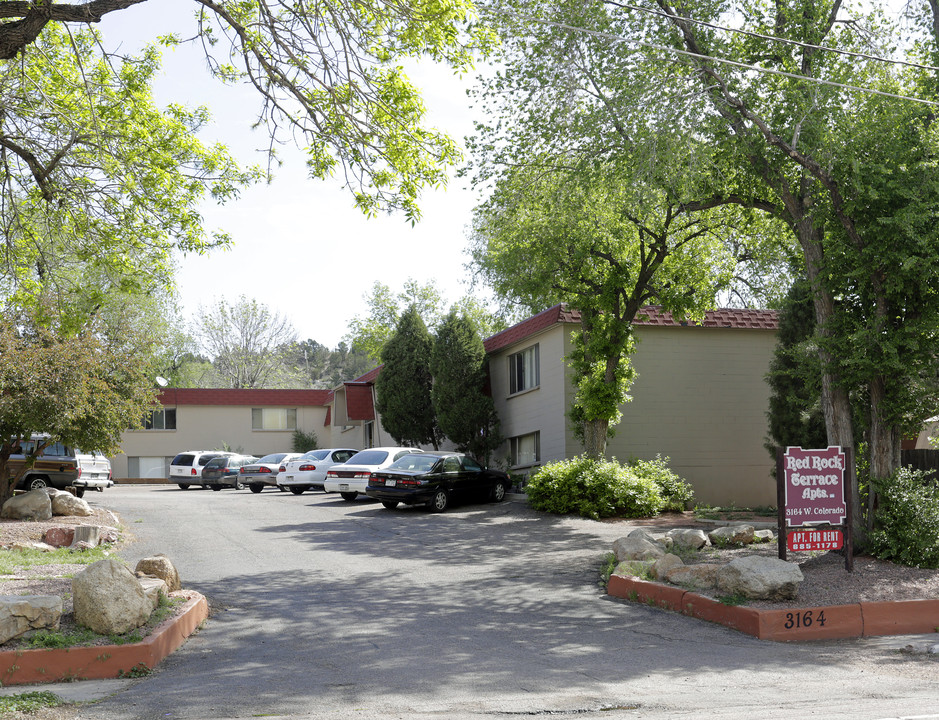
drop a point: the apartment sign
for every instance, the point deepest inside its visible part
(814, 486)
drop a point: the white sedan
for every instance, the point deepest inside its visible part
(264, 472)
(308, 472)
(351, 478)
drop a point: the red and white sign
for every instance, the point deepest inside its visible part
(814, 483)
(801, 540)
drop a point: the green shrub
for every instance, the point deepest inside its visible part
(907, 527)
(304, 442)
(677, 494)
(594, 489)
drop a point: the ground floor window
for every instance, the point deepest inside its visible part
(148, 467)
(273, 418)
(525, 449)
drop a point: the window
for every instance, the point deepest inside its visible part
(164, 419)
(273, 418)
(523, 370)
(525, 449)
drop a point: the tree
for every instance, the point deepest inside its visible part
(82, 389)
(404, 385)
(245, 341)
(327, 74)
(460, 369)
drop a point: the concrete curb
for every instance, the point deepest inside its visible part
(830, 622)
(21, 667)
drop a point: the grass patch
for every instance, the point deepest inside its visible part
(13, 560)
(609, 565)
(735, 599)
(29, 702)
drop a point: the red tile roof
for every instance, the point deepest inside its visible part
(253, 398)
(649, 315)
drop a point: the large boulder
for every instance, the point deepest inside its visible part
(59, 536)
(21, 613)
(701, 576)
(637, 548)
(689, 538)
(32, 505)
(760, 578)
(108, 598)
(732, 535)
(64, 503)
(160, 566)
(661, 566)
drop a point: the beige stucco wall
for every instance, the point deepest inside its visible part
(209, 427)
(700, 398)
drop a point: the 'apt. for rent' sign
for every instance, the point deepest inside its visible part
(814, 481)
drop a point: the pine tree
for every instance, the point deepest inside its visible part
(460, 369)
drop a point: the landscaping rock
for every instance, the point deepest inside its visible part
(21, 613)
(689, 538)
(86, 534)
(64, 503)
(760, 578)
(59, 536)
(153, 587)
(702, 576)
(108, 598)
(41, 546)
(733, 534)
(162, 567)
(637, 548)
(634, 568)
(32, 505)
(661, 566)
(761, 536)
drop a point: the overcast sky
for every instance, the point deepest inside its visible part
(300, 247)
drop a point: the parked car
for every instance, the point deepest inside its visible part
(435, 480)
(225, 471)
(264, 471)
(60, 466)
(308, 472)
(351, 478)
(186, 468)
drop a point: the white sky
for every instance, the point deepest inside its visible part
(300, 247)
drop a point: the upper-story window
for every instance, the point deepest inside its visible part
(164, 419)
(273, 418)
(523, 370)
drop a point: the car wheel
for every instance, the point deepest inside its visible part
(183, 487)
(389, 504)
(239, 485)
(440, 501)
(349, 496)
(256, 488)
(37, 483)
(297, 489)
(498, 492)
(79, 492)
(216, 488)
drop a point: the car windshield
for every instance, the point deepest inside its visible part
(421, 463)
(368, 457)
(314, 455)
(273, 458)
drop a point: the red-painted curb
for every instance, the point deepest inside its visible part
(21, 667)
(909, 617)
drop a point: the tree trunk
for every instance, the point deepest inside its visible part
(884, 441)
(595, 433)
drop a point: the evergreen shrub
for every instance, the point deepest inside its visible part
(600, 488)
(907, 528)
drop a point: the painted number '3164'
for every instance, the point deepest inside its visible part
(804, 619)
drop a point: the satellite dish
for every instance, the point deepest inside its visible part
(162, 381)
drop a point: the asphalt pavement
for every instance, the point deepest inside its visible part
(326, 609)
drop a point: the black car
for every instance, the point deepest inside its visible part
(223, 471)
(433, 479)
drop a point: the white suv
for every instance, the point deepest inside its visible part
(186, 468)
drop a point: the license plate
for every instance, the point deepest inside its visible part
(343, 486)
(290, 477)
(390, 483)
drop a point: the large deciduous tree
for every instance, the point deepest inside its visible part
(404, 385)
(460, 369)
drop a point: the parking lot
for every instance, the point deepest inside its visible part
(325, 608)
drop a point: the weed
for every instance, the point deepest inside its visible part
(137, 671)
(633, 595)
(609, 565)
(735, 599)
(47, 639)
(29, 702)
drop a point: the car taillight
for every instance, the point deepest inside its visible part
(79, 472)
(306, 468)
(409, 483)
(193, 472)
(241, 471)
(282, 468)
(362, 475)
(263, 469)
(331, 474)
